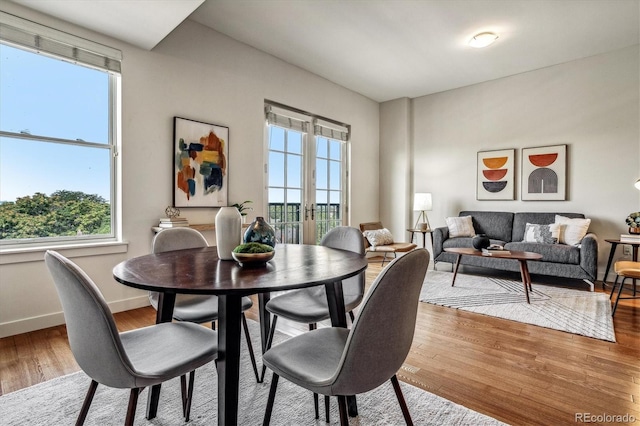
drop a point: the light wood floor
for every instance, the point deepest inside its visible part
(517, 373)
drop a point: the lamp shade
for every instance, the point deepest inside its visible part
(422, 201)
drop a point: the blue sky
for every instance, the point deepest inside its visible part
(53, 98)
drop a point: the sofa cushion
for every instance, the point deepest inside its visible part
(520, 221)
(558, 253)
(572, 231)
(496, 225)
(548, 234)
(460, 226)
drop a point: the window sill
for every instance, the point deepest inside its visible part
(36, 254)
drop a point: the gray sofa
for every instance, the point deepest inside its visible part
(507, 229)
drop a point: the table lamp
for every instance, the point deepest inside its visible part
(422, 203)
(637, 184)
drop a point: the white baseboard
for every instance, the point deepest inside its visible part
(50, 320)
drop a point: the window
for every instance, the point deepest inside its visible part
(306, 175)
(58, 109)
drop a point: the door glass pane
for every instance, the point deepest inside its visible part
(276, 138)
(322, 181)
(322, 147)
(276, 169)
(294, 142)
(294, 171)
(334, 178)
(334, 150)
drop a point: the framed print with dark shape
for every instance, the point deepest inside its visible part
(200, 164)
(496, 175)
(544, 173)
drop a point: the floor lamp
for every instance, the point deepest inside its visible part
(422, 203)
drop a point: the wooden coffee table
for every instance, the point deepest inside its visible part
(520, 256)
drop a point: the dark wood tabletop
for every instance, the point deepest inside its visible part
(200, 271)
(503, 254)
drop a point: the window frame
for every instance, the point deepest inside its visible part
(18, 246)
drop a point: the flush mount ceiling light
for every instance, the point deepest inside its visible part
(483, 39)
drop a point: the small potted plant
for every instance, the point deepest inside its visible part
(243, 208)
(633, 220)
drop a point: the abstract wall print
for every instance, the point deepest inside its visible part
(496, 175)
(544, 175)
(201, 172)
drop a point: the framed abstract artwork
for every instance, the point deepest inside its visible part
(496, 175)
(544, 173)
(200, 164)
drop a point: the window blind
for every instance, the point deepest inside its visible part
(330, 130)
(43, 39)
(286, 119)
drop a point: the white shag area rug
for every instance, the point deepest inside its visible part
(574, 311)
(58, 401)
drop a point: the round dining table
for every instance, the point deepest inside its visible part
(200, 271)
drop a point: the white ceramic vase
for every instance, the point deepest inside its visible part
(228, 231)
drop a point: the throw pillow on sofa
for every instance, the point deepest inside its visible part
(460, 226)
(378, 237)
(546, 234)
(572, 231)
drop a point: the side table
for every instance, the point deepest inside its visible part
(424, 233)
(614, 245)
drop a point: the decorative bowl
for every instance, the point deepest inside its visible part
(253, 258)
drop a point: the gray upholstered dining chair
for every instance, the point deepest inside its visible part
(339, 362)
(189, 307)
(309, 305)
(130, 360)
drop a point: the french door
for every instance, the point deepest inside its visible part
(306, 184)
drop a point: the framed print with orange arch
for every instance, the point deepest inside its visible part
(496, 175)
(200, 164)
(544, 173)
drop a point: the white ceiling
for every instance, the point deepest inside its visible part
(143, 23)
(382, 49)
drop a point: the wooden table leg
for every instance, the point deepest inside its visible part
(166, 301)
(229, 323)
(335, 299)
(455, 270)
(526, 279)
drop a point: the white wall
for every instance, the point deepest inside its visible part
(591, 105)
(203, 75)
(395, 167)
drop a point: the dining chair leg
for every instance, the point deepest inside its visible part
(315, 405)
(272, 397)
(183, 393)
(131, 410)
(187, 410)
(613, 289)
(326, 408)
(87, 403)
(268, 345)
(250, 347)
(401, 400)
(615, 306)
(342, 408)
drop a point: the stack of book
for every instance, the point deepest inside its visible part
(630, 238)
(173, 222)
